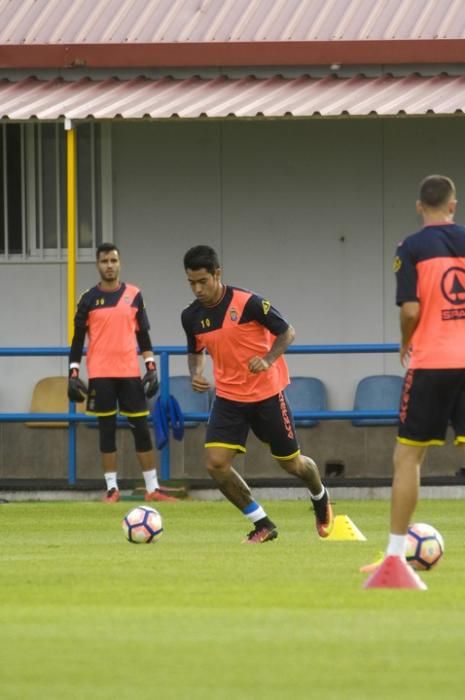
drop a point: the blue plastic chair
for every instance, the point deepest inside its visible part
(379, 392)
(189, 400)
(307, 394)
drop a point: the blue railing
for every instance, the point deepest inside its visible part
(164, 353)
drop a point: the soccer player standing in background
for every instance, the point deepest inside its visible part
(245, 337)
(113, 316)
(430, 273)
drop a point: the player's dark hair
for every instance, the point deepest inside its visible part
(106, 248)
(201, 256)
(436, 190)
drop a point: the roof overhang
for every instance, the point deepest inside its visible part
(222, 97)
(236, 53)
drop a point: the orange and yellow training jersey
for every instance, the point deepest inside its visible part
(430, 269)
(240, 326)
(111, 319)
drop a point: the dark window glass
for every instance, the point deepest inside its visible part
(14, 187)
(2, 194)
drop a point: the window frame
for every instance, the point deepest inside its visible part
(32, 199)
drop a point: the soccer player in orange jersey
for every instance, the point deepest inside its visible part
(245, 337)
(430, 273)
(113, 316)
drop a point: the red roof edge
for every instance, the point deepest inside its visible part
(258, 53)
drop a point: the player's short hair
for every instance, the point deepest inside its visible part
(201, 256)
(436, 190)
(106, 248)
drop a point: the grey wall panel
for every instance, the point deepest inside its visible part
(175, 204)
(305, 212)
(413, 149)
(297, 228)
(33, 314)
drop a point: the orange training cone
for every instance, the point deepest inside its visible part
(394, 572)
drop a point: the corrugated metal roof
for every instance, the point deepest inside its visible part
(33, 22)
(222, 97)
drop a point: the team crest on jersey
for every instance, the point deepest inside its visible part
(233, 314)
(453, 286)
(127, 299)
(397, 264)
(266, 306)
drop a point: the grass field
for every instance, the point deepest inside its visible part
(85, 614)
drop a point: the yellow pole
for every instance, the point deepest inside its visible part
(71, 190)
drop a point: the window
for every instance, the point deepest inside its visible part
(11, 190)
(33, 208)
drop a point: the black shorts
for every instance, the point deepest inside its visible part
(108, 396)
(271, 420)
(431, 399)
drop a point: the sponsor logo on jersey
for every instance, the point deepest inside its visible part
(266, 306)
(452, 314)
(453, 286)
(397, 264)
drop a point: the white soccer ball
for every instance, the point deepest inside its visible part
(425, 546)
(142, 525)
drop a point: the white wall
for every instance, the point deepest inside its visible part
(307, 213)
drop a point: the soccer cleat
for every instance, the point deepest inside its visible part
(394, 572)
(158, 495)
(260, 535)
(323, 515)
(369, 568)
(111, 496)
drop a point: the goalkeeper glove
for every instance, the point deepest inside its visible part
(77, 390)
(150, 380)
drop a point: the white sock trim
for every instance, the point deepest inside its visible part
(254, 512)
(111, 480)
(151, 480)
(396, 546)
(257, 514)
(318, 496)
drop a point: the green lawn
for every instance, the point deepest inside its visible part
(85, 614)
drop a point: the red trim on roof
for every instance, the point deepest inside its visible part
(258, 53)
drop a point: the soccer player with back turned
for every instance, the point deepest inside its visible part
(245, 337)
(430, 272)
(113, 316)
